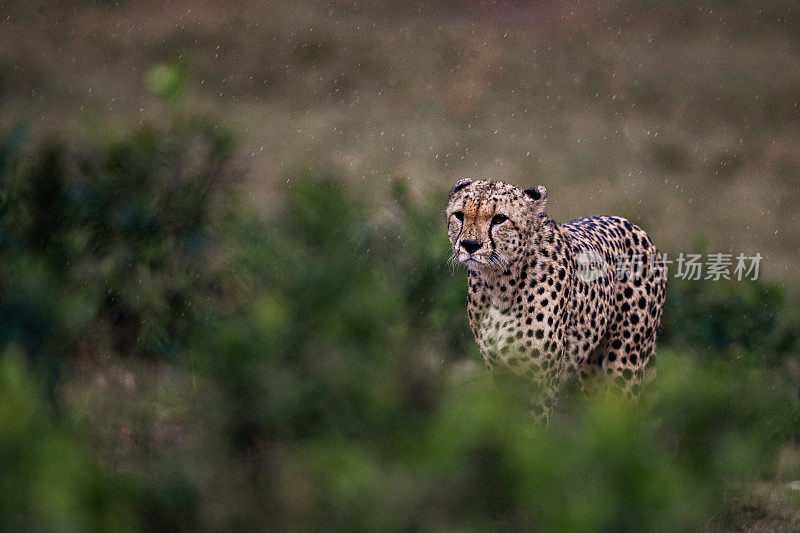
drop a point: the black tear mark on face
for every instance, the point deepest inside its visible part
(534, 193)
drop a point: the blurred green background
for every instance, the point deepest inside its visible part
(224, 297)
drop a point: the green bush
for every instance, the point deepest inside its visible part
(727, 317)
(106, 247)
(315, 368)
(334, 303)
(49, 482)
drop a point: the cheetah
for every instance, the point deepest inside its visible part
(548, 302)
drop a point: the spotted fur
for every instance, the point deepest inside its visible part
(537, 308)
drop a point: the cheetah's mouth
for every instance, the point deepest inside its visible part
(472, 260)
(482, 261)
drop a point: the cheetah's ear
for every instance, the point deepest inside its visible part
(460, 184)
(537, 193)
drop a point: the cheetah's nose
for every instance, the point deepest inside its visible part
(470, 245)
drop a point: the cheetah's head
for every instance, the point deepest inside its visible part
(491, 223)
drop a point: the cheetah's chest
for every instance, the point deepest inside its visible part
(496, 333)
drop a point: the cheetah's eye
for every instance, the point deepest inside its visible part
(498, 219)
(459, 215)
